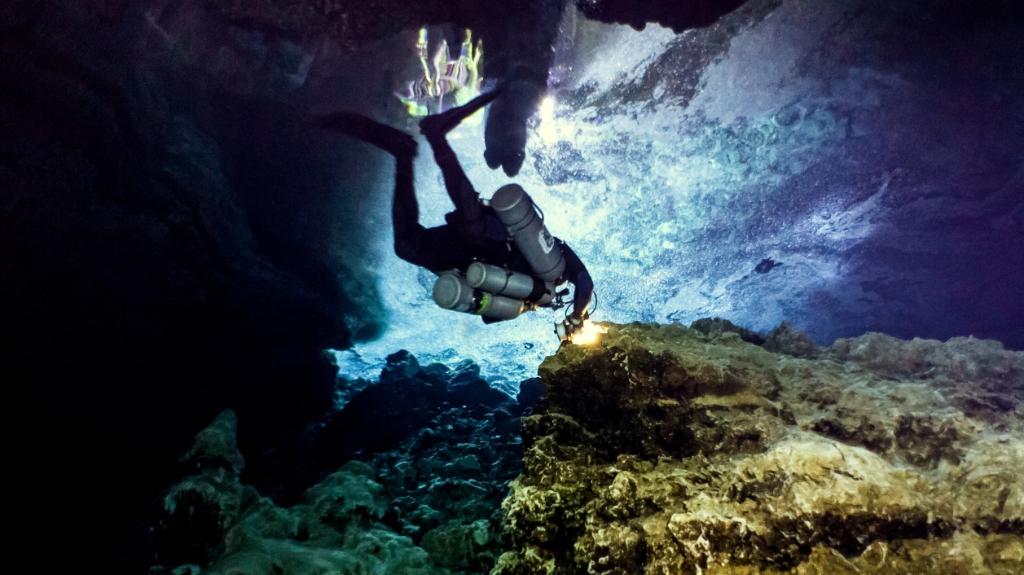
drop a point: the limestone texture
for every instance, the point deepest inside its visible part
(421, 460)
(662, 449)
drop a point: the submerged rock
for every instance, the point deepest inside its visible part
(715, 325)
(407, 399)
(790, 341)
(438, 447)
(665, 450)
(199, 510)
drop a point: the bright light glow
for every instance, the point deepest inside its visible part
(588, 334)
(547, 130)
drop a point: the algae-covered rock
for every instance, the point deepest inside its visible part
(213, 521)
(198, 511)
(791, 341)
(713, 326)
(663, 449)
(424, 499)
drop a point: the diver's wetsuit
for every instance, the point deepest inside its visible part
(473, 231)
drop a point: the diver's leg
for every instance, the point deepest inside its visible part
(460, 189)
(405, 213)
(441, 249)
(432, 248)
(438, 249)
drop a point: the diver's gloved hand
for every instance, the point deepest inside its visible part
(568, 327)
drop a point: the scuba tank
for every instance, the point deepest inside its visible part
(503, 282)
(498, 293)
(515, 209)
(452, 291)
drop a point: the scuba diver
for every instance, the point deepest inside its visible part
(495, 259)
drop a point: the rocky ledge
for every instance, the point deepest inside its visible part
(664, 449)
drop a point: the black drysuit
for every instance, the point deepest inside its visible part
(473, 231)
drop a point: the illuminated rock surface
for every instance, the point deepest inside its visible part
(663, 450)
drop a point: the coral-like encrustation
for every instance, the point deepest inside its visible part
(665, 450)
(422, 461)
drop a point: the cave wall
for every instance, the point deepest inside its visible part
(174, 239)
(870, 149)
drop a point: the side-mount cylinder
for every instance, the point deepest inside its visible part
(452, 291)
(501, 281)
(515, 209)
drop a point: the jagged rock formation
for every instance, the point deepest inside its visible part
(664, 450)
(211, 518)
(436, 448)
(783, 339)
(715, 326)
(408, 397)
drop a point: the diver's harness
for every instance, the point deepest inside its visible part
(497, 293)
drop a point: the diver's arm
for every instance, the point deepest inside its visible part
(577, 273)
